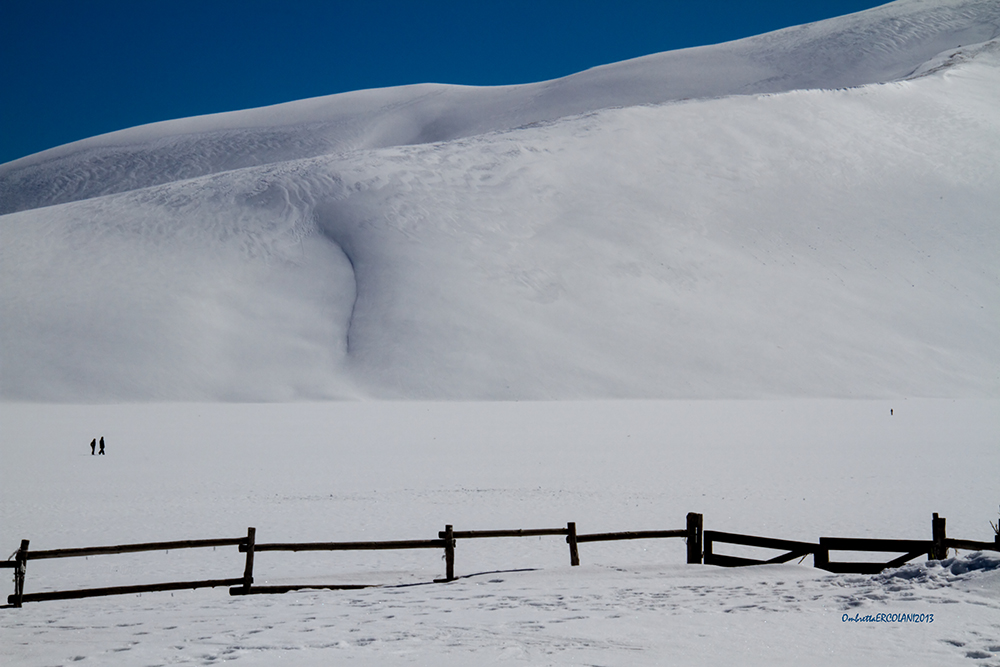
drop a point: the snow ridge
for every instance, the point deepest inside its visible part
(880, 45)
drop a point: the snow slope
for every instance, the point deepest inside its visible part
(689, 224)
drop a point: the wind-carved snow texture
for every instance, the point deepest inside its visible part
(880, 45)
(654, 228)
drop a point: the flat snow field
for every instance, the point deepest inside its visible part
(794, 469)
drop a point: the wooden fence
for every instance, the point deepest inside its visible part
(23, 555)
(700, 549)
(936, 548)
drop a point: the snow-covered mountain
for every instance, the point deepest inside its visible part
(811, 212)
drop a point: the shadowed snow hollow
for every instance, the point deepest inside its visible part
(594, 236)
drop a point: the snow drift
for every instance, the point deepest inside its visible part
(810, 212)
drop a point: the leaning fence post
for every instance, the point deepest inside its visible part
(574, 553)
(695, 525)
(248, 570)
(21, 560)
(938, 551)
(449, 553)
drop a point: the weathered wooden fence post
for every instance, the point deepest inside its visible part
(574, 552)
(248, 570)
(21, 560)
(939, 551)
(695, 525)
(449, 553)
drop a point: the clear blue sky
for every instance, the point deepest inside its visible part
(70, 69)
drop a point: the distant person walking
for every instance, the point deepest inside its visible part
(93, 446)
(102, 446)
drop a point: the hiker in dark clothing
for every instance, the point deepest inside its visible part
(102, 446)
(93, 446)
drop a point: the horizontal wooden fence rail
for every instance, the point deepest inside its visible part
(972, 545)
(136, 548)
(347, 546)
(631, 535)
(701, 546)
(517, 532)
(288, 588)
(127, 590)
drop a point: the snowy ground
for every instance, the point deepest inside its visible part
(357, 471)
